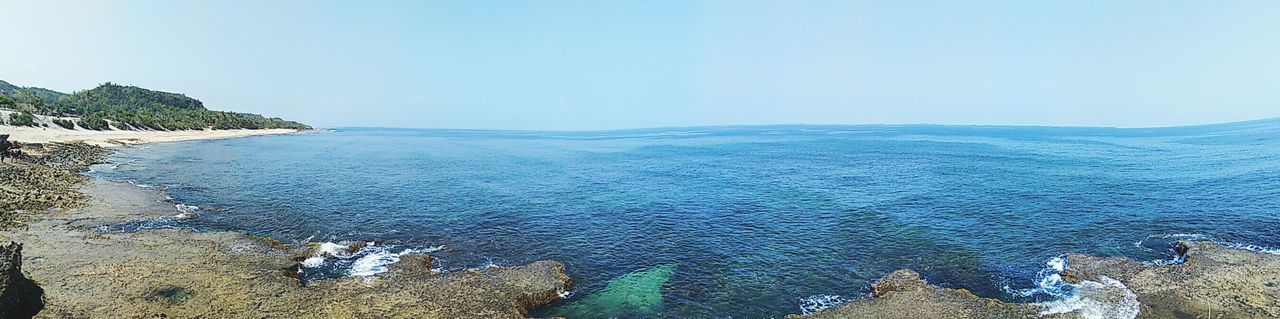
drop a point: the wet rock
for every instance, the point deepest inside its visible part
(901, 280)
(45, 177)
(218, 277)
(19, 297)
(1212, 279)
(904, 294)
(413, 263)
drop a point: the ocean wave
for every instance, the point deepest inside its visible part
(815, 303)
(185, 211)
(1089, 299)
(1048, 281)
(1108, 299)
(1251, 247)
(368, 260)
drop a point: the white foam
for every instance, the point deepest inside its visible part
(1109, 299)
(375, 261)
(324, 251)
(1048, 280)
(185, 211)
(368, 261)
(816, 303)
(1251, 247)
(313, 262)
(332, 249)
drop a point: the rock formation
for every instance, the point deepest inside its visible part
(19, 297)
(1212, 281)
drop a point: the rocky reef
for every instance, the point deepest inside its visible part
(175, 273)
(86, 272)
(904, 294)
(42, 178)
(1210, 281)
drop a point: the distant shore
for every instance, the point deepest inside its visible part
(120, 137)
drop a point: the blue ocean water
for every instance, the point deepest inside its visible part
(755, 221)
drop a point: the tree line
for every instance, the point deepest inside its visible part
(122, 107)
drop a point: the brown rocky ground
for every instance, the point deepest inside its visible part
(1213, 282)
(903, 294)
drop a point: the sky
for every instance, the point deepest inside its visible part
(587, 65)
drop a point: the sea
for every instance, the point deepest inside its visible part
(732, 221)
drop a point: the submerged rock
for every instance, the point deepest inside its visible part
(638, 294)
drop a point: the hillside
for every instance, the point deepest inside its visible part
(112, 106)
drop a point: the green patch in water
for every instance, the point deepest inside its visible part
(636, 294)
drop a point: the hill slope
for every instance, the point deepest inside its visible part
(112, 106)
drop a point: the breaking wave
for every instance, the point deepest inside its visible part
(1088, 299)
(354, 259)
(1096, 300)
(817, 303)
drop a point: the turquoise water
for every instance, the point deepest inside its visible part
(741, 222)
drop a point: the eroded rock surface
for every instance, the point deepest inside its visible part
(86, 273)
(184, 274)
(1213, 281)
(904, 294)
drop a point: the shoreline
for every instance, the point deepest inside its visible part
(185, 273)
(1206, 280)
(111, 138)
(84, 272)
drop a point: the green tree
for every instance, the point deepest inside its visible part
(22, 119)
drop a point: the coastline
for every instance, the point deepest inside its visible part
(111, 138)
(1205, 280)
(183, 273)
(84, 271)
(186, 274)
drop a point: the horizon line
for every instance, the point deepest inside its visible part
(1267, 119)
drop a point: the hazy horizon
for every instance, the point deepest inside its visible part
(572, 66)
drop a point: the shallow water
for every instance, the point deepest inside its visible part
(751, 221)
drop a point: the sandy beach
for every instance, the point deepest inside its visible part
(117, 137)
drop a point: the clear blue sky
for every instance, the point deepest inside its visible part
(625, 64)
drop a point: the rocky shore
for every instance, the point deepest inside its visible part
(1211, 281)
(66, 267)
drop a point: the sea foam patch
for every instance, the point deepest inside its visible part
(332, 260)
(815, 303)
(1108, 298)
(1096, 300)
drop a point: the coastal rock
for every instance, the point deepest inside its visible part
(178, 273)
(901, 280)
(1213, 280)
(904, 294)
(19, 297)
(45, 177)
(413, 264)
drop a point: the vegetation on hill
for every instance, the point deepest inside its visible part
(22, 119)
(67, 124)
(132, 108)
